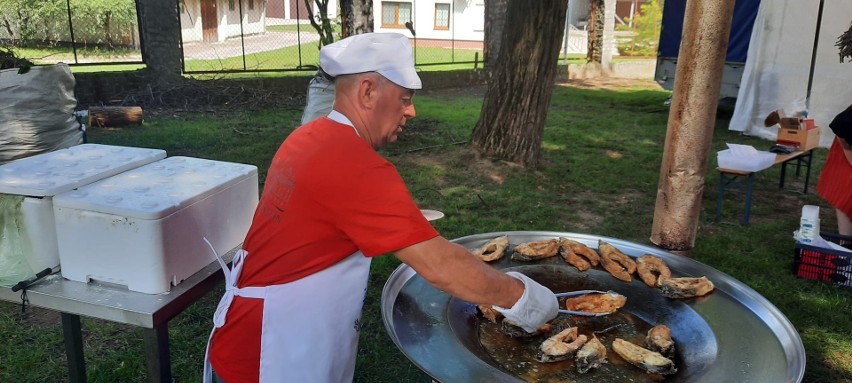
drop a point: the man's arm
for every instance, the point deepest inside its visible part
(451, 268)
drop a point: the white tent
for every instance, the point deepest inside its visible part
(779, 61)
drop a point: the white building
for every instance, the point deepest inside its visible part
(217, 20)
(464, 20)
(433, 19)
(436, 21)
(288, 11)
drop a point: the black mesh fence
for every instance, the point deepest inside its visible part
(76, 32)
(230, 35)
(277, 35)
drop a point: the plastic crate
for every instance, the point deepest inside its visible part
(825, 264)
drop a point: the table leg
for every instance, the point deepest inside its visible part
(157, 355)
(722, 181)
(810, 157)
(749, 184)
(74, 348)
(783, 174)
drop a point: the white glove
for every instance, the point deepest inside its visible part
(535, 307)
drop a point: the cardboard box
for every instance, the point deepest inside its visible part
(774, 117)
(793, 123)
(805, 139)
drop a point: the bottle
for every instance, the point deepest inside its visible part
(809, 224)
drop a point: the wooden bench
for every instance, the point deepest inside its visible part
(744, 180)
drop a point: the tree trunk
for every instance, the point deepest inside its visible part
(518, 95)
(320, 21)
(356, 17)
(596, 31)
(107, 29)
(495, 19)
(9, 29)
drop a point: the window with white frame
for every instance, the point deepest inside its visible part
(442, 16)
(395, 14)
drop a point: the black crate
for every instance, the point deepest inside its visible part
(825, 264)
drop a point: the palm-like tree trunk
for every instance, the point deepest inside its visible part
(596, 31)
(356, 17)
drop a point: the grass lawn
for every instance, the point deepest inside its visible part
(55, 54)
(602, 148)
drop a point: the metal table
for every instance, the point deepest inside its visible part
(115, 303)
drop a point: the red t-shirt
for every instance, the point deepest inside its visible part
(835, 181)
(327, 195)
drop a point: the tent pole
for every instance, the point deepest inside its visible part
(692, 117)
(813, 55)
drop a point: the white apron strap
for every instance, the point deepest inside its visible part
(231, 290)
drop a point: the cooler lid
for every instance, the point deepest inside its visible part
(55, 172)
(158, 189)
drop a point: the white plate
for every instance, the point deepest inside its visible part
(432, 215)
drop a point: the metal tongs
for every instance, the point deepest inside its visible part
(582, 313)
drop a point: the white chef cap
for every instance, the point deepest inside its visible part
(388, 54)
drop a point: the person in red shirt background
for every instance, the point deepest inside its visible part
(292, 306)
(835, 181)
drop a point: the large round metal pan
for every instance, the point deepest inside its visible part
(731, 335)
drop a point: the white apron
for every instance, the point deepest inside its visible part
(310, 326)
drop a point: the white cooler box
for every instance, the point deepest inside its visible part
(38, 178)
(144, 228)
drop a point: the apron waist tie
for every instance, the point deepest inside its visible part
(232, 275)
(219, 318)
(228, 298)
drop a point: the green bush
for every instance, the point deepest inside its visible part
(646, 31)
(98, 22)
(8, 60)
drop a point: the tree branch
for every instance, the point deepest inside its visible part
(844, 42)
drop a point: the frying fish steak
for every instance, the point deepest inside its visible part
(645, 359)
(493, 249)
(659, 339)
(615, 262)
(652, 270)
(489, 313)
(590, 356)
(578, 254)
(561, 346)
(535, 250)
(686, 287)
(513, 330)
(599, 303)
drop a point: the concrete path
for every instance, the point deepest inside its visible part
(233, 47)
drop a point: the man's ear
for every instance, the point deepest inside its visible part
(368, 92)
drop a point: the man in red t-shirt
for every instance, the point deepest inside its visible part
(835, 181)
(292, 306)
